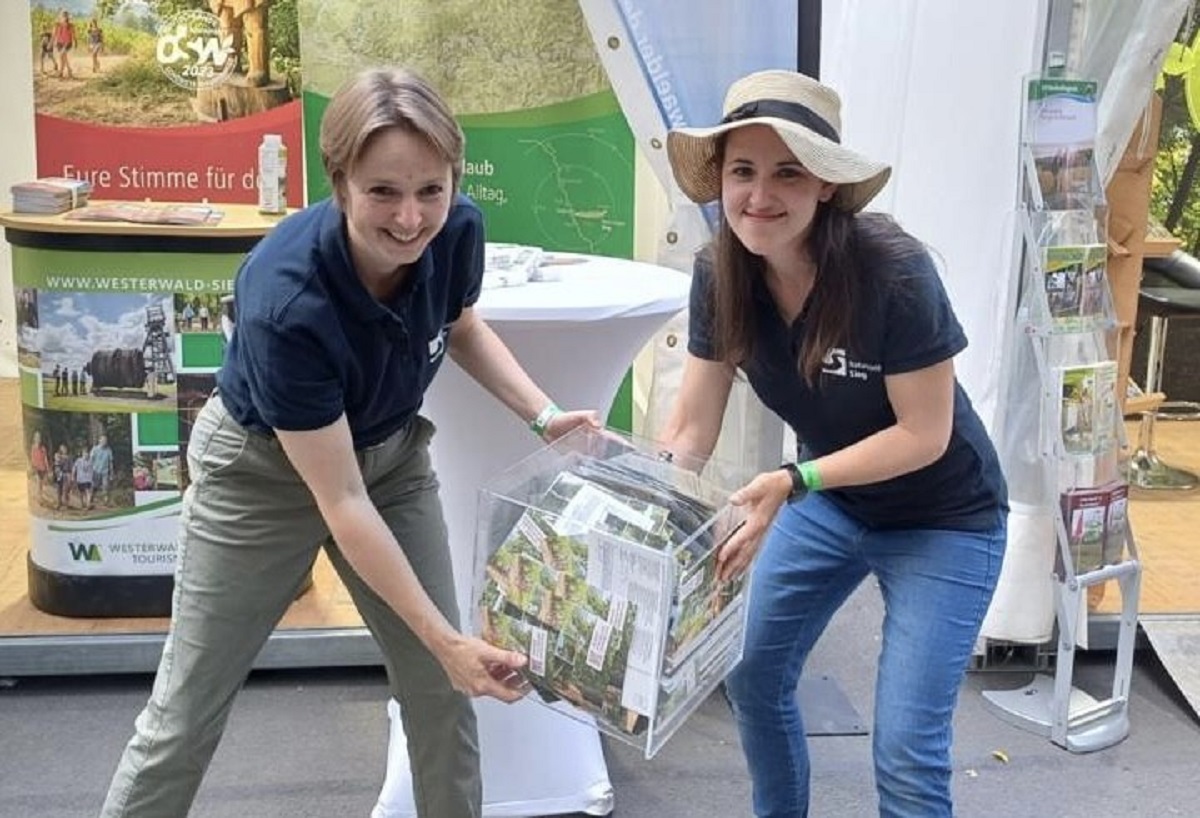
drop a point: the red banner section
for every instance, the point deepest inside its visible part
(215, 162)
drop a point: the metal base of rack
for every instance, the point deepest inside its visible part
(1050, 705)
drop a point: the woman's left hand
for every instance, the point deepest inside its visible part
(760, 499)
(565, 422)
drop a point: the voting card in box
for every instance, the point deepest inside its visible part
(596, 558)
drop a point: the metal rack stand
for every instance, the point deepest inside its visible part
(1050, 705)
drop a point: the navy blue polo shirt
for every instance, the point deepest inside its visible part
(906, 325)
(311, 342)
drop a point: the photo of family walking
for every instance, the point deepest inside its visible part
(80, 464)
(197, 313)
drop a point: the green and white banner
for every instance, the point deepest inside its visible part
(550, 158)
(118, 352)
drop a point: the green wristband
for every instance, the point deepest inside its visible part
(538, 424)
(810, 476)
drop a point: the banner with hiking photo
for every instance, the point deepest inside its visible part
(165, 99)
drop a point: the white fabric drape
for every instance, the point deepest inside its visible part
(1123, 47)
(16, 153)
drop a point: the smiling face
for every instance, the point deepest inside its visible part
(768, 197)
(396, 198)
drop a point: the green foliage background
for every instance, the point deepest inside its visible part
(475, 52)
(1174, 202)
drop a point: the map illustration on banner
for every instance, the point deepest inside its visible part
(165, 99)
(550, 158)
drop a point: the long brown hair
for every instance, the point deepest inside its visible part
(849, 249)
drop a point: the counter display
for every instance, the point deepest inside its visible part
(118, 342)
(577, 336)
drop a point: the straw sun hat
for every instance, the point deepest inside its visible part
(805, 114)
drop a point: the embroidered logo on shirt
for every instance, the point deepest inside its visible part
(834, 362)
(837, 362)
(437, 345)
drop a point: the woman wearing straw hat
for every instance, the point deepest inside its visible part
(840, 323)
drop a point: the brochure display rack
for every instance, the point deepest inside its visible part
(1064, 340)
(598, 560)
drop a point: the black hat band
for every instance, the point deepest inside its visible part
(780, 109)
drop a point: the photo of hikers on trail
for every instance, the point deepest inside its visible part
(163, 63)
(80, 464)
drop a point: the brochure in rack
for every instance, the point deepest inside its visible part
(1060, 129)
(1075, 285)
(1087, 407)
(1096, 520)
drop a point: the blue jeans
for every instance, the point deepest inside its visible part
(936, 587)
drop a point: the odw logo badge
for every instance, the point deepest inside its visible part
(193, 52)
(84, 551)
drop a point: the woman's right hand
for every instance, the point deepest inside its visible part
(477, 668)
(760, 500)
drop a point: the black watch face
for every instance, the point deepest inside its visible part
(798, 487)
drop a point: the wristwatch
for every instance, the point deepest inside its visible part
(798, 486)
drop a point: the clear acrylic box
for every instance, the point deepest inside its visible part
(596, 558)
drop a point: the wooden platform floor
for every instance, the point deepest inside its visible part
(325, 605)
(1166, 527)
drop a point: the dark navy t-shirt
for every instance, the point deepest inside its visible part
(311, 342)
(907, 324)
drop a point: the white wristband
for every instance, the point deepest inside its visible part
(538, 424)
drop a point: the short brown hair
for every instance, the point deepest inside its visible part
(381, 98)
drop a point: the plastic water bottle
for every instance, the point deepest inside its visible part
(272, 175)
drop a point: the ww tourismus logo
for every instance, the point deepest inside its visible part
(84, 551)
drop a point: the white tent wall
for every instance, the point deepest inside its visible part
(16, 151)
(934, 87)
